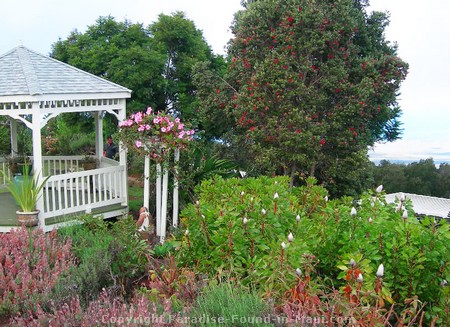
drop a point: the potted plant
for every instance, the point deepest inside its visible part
(89, 162)
(26, 191)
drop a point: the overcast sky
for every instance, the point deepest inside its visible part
(420, 28)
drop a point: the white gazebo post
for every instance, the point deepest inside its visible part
(121, 115)
(37, 157)
(98, 116)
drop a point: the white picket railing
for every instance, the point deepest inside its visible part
(83, 191)
(70, 189)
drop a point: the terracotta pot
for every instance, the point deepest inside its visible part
(28, 219)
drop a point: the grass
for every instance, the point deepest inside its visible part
(227, 304)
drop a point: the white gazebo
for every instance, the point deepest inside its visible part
(34, 89)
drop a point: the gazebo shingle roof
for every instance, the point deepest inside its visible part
(424, 205)
(25, 72)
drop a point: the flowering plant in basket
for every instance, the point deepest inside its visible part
(154, 134)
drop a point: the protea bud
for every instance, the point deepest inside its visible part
(297, 218)
(245, 221)
(405, 214)
(353, 212)
(380, 271)
(186, 232)
(283, 245)
(298, 271)
(379, 189)
(290, 237)
(360, 278)
(263, 211)
(370, 220)
(352, 262)
(275, 196)
(326, 198)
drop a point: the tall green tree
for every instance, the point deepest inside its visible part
(309, 82)
(121, 52)
(183, 46)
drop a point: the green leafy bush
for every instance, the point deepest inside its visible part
(260, 231)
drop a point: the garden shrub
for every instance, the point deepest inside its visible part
(227, 304)
(107, 310)
(262, 232)
(107, 255)
(30, 264)
(93, 270)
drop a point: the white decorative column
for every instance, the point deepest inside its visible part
(175, 189)
(147, 182)
(158, 199)
(37, 157)
(165, 182)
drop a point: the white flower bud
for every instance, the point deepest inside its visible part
(405, 214)
(203, 216)
(380, 271)
(297, 218)
(379, 189)
(197, 203)
(263, 211)
(402, 197)
(370, 220)
(353, 212)
(242, 193)
(245, 221)
(326, 198)
(283, 245)
(352, 262)
(251, 199)
(298, 271)
(186, 232)
(275, 196)
(360, 278)
(290, 237)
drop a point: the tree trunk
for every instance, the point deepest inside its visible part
(312, 170)
(293, 171)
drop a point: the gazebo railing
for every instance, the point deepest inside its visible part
(83, 191)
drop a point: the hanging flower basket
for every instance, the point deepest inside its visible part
(153, 134)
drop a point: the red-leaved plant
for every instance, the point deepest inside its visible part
(30, 264)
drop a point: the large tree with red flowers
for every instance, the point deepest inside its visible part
(310, 82)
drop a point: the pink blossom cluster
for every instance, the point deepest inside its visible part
(148, 131)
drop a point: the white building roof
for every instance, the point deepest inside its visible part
(24, 72)
(424, 205)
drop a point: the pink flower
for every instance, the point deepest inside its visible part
(141, 128)
(149, 111)
(138, 143)
(163, 129)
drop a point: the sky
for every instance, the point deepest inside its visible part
(421, 30)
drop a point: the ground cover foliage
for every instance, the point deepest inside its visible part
(272, 254)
